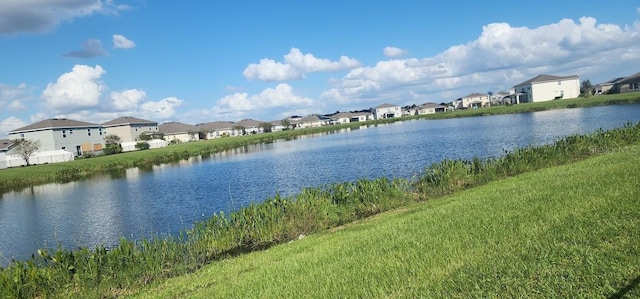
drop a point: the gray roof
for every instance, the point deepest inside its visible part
(341, 115)
(215, 126)
(385, 105)
(431, 105)
(55, 123)
(546, 78)
(5, 144)
(313, 118)
(128, 120)
(249, 123)
(176, 128)
(629, 79)
(475, 95)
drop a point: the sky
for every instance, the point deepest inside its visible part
(202, 61)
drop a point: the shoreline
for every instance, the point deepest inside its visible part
(18, 178)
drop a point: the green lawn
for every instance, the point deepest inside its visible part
(562, 232)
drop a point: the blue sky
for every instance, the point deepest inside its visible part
(95, 60)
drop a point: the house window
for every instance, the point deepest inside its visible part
(64, 134)
(89, 132)
(633, 86)
(70, 132)
(22, 136)
(559, 82)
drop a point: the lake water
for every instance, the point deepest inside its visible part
(169, 198)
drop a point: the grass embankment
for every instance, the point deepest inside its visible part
(20, 177)
(571, 231)
(123, 269)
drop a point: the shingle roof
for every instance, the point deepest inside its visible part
(55, 123)
(128, 120)
(385, 105)
(431, 105)
(5, 144)
(631, 78)
(475, 95)
(215, 125)
(341, 115)
(314, 118)
(546, 78)
(176, 127)
(249, 123)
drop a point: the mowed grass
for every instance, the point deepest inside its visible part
(571, 231)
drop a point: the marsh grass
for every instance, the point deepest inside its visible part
(18, 178)
(107, 272)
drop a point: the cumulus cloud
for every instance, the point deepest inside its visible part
(163, 109)
(9, 124)
(296, 65)
(393, 52)
(13, 97)
(121, 42)
(128, 99)
(90, 49)
(42, 15)
(80, 88)
(280, 96)
(499, 58)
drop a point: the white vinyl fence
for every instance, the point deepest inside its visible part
(39, 158)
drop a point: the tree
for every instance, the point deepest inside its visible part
(25, 148)
(142, 145)
(585, 88)
(286, 124)
(112, 144)
(266, 127)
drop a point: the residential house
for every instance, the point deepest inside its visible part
(499, 98)
(129, 128)
(430, 108)
(54, 134)
(606, 87)
(313, 121)
(387, 111)
(410, 110)
(350, 117)
(250, 126)
(5, 145)
(546, 88)
(474, 100)
(217, 129)
(627, 84)
(178, 132)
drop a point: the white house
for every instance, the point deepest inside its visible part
(250, 126)
(430, 108)
(5, 145)
(474, 100)
(387, 111)
(179, 132)
(217, 129)
(54, 134)
(350, 117)
(546, 88)
(129, 128)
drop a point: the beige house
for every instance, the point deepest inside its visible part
(546, 88)
(350, 117)
(251, 126)
(217, 129)
(430, 108)
(129, 128)
(387, 111)
(55, 134)
(313, 121)
(179, 132)
(474, 100)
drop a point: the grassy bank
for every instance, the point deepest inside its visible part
(110, 272)
(563, 232)
(21, 177)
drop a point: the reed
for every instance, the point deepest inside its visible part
(110, 272)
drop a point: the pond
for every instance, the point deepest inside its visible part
(169, 198)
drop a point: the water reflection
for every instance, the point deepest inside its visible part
(162, 199)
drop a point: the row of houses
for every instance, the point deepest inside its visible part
(543, 88)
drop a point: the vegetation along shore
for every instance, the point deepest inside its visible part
(538, 222)
(21, 177)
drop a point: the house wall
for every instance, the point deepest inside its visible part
(183, 137)
(3, 163)
(630, 87)
(381, 113)
(466, 101)
(130, 133)
(69, 139)
(547, 91)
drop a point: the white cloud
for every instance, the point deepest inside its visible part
(42, 15)
(296, 65)
(393, 52)
(128, 99)
(90, 48)
(80, 88)
(499, 58)
(161, 110)
(13, 97)
(280, 96)
(9, 124)
(121, 42)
